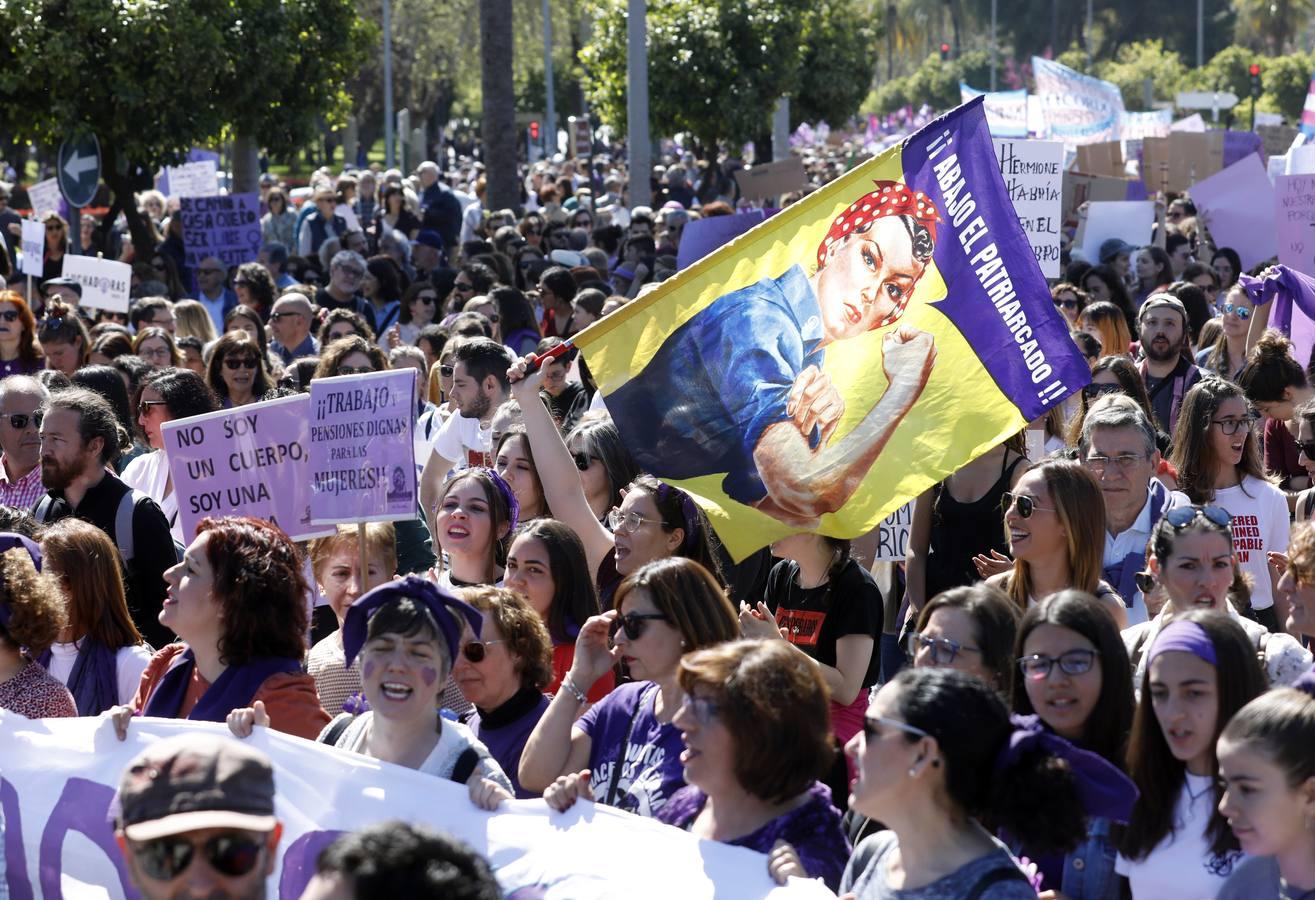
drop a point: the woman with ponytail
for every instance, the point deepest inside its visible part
(1275, 383)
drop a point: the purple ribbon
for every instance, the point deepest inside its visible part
(445, 609)
(508, 495)
(689, 512)
(1286, 287)
(1306, 683)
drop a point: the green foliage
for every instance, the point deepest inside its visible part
(1134, 63)
(1075, 58)
(935, 82)
(715, 67)
(1286, 81)
(838, 62)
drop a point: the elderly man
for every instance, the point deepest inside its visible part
(1166, 370)
(216, 296)
(440, 208)
(346, 270)
(290, 321)
(196, 819)
(1117, 445)
(20, 439)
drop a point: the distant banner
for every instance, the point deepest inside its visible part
(1034, 178)
(34, 248)
(362, 458)
(248, 461)
(1006, 111)
(1078, 109)
(45, 197)
(227, 228)
(60, 776)
(903, 299)
(1308, 111)
(105, 282)
(199, 178)
(1137, 126)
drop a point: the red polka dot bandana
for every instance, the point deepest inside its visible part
(889, 199)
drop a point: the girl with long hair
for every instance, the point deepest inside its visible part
(1154, 272)
(1227, 356)
(1106, 323)
(603, 463)
(1217, 456)
(1069, 300)
(19, 353)
(32, 615)
(514, 461)
(1276, 384)
(157, 347)
(237, 370)
(473, 520)
(1104, 285)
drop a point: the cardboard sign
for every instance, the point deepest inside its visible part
(248, 461)
(362, 463)
(1105, 158)
(1238, 205)
(893, 534)
(44, 197)
(1294, 216)
(227, 228)
(770, 180)
(1034, 177)
(105, 282)
(34, 248)
(1080, 189)
(1130, 220)
(1301, 160)
(199, 178)
(1189, 157)
(1277, 138)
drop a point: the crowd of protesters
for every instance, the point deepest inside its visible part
(1091, 678)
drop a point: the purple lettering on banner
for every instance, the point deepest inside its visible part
(362, 457)
(82, 807)
(15, 857)
(225, 227)
(299, 861)
(250, 461)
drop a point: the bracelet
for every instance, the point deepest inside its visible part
(568, 683)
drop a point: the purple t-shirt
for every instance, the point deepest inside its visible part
(652, 770)
(813, 828)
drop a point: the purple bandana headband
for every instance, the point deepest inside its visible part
(1185, 637)
(447, 611)
(9, 541)
(689, 512)
(503, 489)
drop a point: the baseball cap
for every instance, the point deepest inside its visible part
(430, 238)
(196, 781)
(1158, 300)
(61, 282)
(1113, 247)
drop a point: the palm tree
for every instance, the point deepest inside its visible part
(1272, 25)
(909, 28)
(499, 96)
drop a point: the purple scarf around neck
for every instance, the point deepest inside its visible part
(234, 689)
(94, 679)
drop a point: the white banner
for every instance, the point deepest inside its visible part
(34, 248)
(59, 776)
(105, 282)
(1034, 176)
(1006, 111)
(1079, 109)
(194, 179)
(44, 197)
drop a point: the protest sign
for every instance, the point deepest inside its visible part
(60, 776)
(248, 461)
(362, 462)
(930, 369)
(1277, 138)
(1034, 179)
(893, 535)
(1294, 215)
(1237, 205)
(1006, 111)
(44, 197)
(1105, 158)
(1183, 158)
(105, 282)
(701, 236)
(1137, 126)
(1192, 124)
(34, 248)
(199, 178)
(770, 180)
(1078, 109)
(1301, 160)
(1130, 220)
(1080, 189)
(227, 228)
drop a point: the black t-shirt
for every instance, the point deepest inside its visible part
(849, 603)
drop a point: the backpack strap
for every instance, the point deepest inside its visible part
(994, 877)
(465, 766)
(336, 728)
(123, 524)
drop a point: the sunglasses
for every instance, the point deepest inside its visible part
(941, 651)
(18, 421)
(583, 460)
(1026, 505)
(1308, 448)
(248, 363)
(476, 651)
(166, 858)
(1242, 312)
(355, 370)
(873, 724)
(633, 623)
(1093, 391)
(144, 407)
(1067, 304)
(427, 299)
(210, 271)
(446, 371)
(9, 315)
(283, 315)
(463, 288)
(1037, 667)
(703, 709)
(1182, 516)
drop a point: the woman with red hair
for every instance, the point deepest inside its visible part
(19, 353)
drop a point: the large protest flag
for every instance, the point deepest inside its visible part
(908, 284)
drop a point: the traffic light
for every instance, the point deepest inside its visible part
(1255, 79)
(534, 131)
(945, 51)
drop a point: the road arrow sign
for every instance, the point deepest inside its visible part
(78, 170)
(1206, 100)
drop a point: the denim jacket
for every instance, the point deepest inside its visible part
(1089, 868)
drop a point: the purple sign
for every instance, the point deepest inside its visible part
(225, 227)
(702, 236)
(362, 462)
(250, 461)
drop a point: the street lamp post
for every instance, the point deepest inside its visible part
(389, 156)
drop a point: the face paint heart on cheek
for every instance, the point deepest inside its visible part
(428, 676)
(367, 669)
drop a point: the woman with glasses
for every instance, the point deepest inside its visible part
(1276, 384)
(546, 565)
(237, 372)
(972, 629)
(1202, 669)
(1073, 674)
(407, 634)
(937, 754)
(336, 564)
(419, 304)
(1228, 355)
(341, 323)
(279, 224)
(157, 347)
(503, 670)
(567, 400)
(625, 751)
(1106, 323)
(165, 270)
(754, 725)
(19, 353)
(255, 288)
(165, 396)
(351, 355)
(829, 608)
(1218, 461)
(1069, 300)
(1193, 562)
(63, 338)
(603, 463)
(244, 318)
(1055, 520)
(382, 287)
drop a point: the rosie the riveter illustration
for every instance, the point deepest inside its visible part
(739, 388)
